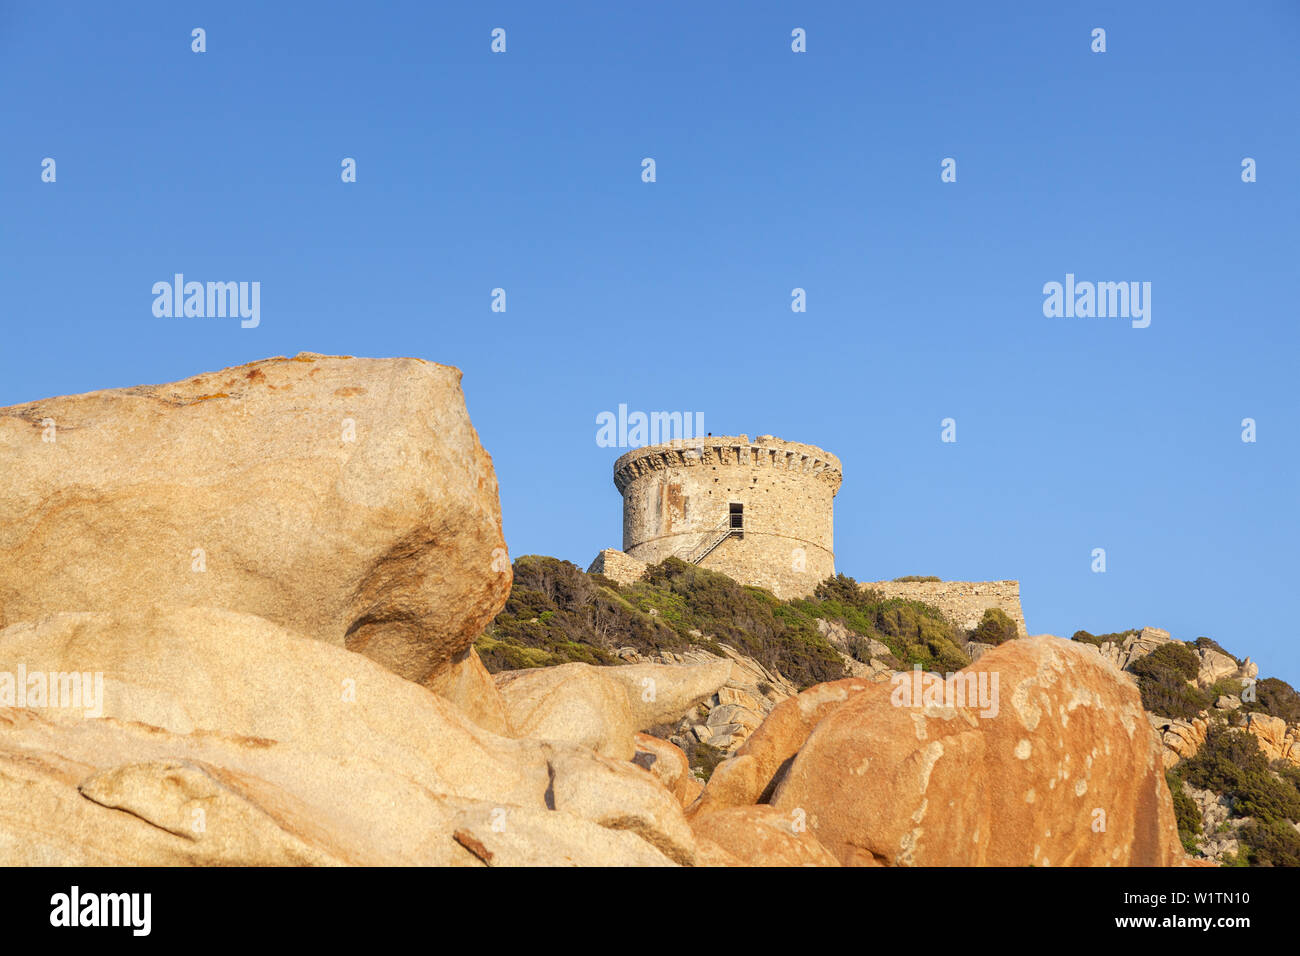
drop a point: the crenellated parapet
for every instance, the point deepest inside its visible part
(733, 451)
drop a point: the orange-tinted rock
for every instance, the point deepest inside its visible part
(1061, 768)
(751, 775)
(763, 836)
(669, 765)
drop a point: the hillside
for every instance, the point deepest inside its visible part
(1230, 742)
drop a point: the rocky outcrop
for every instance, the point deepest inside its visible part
(763, 836)
(221, 738)
(880, 660)
(760, 763)
(467, 684)
(604, 707)
(1214, 665)
(1182, 739)
(1179, 739)
(669, 765)
(1276, 740)
(724, 719)
(236, 616)
(1219, 828)
(346, 498)
(1134, 647)
(1065, 772)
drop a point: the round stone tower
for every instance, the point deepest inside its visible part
(758, 511)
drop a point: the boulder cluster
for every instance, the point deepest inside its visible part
(248, 601)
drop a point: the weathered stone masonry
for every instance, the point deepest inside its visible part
(962, 602)
(679, 499)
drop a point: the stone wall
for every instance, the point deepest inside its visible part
(962, 602)
(677, 497)
(617, 566)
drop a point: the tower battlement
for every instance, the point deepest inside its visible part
(758, 511)
(731, 450)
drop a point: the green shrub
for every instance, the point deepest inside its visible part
(1271, 843)
(557, 613)
(911, 578)
(706, 758)
(1118, 637)
(1084, 637)
(1230, 762)
(1163, 677)
(1276, 698)
(1224, 687)
(1169, 696)
(1240, 858)
(842, 589)
(1186, 812)
(773, 632)
(1173, 657)
(914, 632)
(995, 627)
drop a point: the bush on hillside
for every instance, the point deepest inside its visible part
(556, 614)
(843, 589)
(995, 627)
(754, 621)
(915, 578)
(1176, 658)
(1271, 843)
(1230, 762)
(1186, 812)
(1118, 637)
(1276, 698)
(914, 632)
(1163, 679)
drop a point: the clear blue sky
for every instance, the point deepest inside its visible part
(775, 170)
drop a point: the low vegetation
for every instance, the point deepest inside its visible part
(1165, 678)
(1186, 812)
(1100, 639)
(914, 632)
(1231, 763)
(995, 627)
(1276, 698)
(557, 613)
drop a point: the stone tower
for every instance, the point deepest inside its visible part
(758, 511)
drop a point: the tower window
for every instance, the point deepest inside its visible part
(737, 515)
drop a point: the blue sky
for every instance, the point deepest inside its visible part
(775, 170)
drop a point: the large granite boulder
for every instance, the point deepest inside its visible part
(207, 736)
(346, 498)
(604, 707)
(1056, 765)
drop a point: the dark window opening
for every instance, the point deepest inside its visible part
(737, 515)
